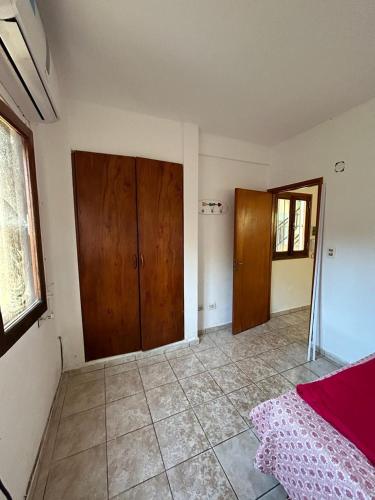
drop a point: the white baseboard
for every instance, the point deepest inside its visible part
(289, 311)
(213, 329)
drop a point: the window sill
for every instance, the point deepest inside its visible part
(19, 328)
(289, 257)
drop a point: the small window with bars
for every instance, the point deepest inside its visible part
(292, 218)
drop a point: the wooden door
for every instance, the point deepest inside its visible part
(160, 236)
(251, 259)
(106, 222)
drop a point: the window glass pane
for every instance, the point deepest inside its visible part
(19, 284)
(299, 225)
(282, 225)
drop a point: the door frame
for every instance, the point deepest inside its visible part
(318, 181)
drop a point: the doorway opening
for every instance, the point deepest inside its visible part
(295, 232)
(275, 241)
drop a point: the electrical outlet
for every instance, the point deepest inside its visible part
(212, 306)
(331, 252)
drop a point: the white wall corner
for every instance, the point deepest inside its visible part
(234, 149)
(190, 132)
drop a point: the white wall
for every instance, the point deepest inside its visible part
(29, 374)
(348, 290)
(109, 130)
(224, 164)
(291, 283)
(291, 279)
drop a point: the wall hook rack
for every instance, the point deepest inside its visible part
(212, 207)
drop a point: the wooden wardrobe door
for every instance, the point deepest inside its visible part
(160, 237)
(106, 221)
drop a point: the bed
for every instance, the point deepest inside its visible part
(309, 457)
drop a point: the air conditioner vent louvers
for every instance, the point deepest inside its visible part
(26, 66)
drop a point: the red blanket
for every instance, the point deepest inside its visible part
(347, 401)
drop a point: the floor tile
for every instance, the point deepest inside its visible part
(166, 400)
(213, 358)
(204, 343)
(151, 360)
(186, 366)
(179, 353)
(246, 399)
(276, 322)
(156, 488)
(219, 420)
(279, 360)
(85, 377)
(87, 368)
(255, 368)
(277, 493)
(132, 459)
(122, 368)
(180, 437)
(44, 463)
(127, 358)
(155, 375)
(297, 333)
(296, 351)
(222, 336)
(126, 415)
(236, 456)
(275, 339)
(230, 378)
(321, 366)
(239, 350)
(79, 477)
(83, 397)
(79, 432)
(123, 385)
(291, 319)
(274, 386)
(300, 375)
(200, 478)
(200, 388)
(248, 335)
(255, 347)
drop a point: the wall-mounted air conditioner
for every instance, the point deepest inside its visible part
(26, 67)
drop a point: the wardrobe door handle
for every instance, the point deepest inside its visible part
(142, 259)
(135, 261)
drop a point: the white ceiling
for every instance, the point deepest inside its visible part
(260, 70)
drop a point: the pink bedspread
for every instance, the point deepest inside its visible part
(307, 455)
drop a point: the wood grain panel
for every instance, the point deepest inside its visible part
(252, 259)
(106, 221)
(160, 233)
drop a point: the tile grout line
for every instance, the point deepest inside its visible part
(106, 433)
(54, 443)
(300, 323)
(268, 491)
(235, 409)
(207, 371)
(218, 346)
(207, 438)
(157, 439)
(190, 407)
(213, 451)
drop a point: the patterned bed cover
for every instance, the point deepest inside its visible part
(307, 455)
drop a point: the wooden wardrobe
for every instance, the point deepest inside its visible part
(129, 222)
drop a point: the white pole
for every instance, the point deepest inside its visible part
(315, 323)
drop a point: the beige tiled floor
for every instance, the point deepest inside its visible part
(174, 425)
